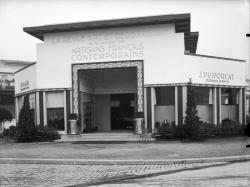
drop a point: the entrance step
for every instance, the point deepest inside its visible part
(107, 137)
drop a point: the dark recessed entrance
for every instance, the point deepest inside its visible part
(122, 111)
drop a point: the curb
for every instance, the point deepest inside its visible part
(117, 179)
(122, 162)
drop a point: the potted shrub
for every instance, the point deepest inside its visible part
(73, 123)
(139, 116)
(157, 127)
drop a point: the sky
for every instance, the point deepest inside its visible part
(222, 24)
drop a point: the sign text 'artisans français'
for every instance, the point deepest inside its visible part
(107, 52)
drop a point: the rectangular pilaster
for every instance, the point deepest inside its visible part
(41, 108)
(45, 119)
(240, 106)
(37, 109)
(184, 102)
(218, 105)
(244, 106)
(153, 107)
(176, 105)
(145, 108)
(215, 106)
(16, 108)
(180, 106)
(149, 109)
(65, 111)
(71, 99)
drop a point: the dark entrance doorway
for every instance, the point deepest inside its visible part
(122, 111)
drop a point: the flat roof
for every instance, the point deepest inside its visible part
(181, 22)
(15, 62)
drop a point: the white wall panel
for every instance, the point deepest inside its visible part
(164, 113)
(159, 46)
(214, 71)
(25, 80)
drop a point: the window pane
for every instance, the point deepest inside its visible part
(202, 95)
(54, 99)
(56, 118)
(229, 96)
(164, 96)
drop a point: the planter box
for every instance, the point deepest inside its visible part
(73, 126)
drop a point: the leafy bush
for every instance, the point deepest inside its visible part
(205, 130)
(5, 115)
(44, 133)
(11, 132)
(192, 127)
(247, 130)
(229, 127)
(209, 129)
(247, 119)
(26, 130)
(41, 134)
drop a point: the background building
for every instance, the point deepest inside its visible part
(7, 100)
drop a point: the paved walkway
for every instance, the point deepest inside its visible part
(128, 151)
(67, 175)
(64, 164)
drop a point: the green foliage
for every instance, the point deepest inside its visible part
(247, 130)
(46, 134)
(228, 128)
(41, 134)
(192, 128)
(26, 130)
(5, 115)
(11, 132)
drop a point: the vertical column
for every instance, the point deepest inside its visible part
(218, 105)
(68, 105)
(17, 108)
(184, 102)
(215, 106)
(180, 112)
(71, 109)
(149, 109)
(176, 105)
(244, 106)
(152, 107)
(45, 119)
(240, 106)
(37, 108)
(145, 109)
(41, 108)
(65, 111)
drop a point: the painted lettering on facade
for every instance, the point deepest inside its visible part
(216, 77)
(114, 51)
(24, 85)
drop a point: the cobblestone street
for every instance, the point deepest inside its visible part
(64, 175)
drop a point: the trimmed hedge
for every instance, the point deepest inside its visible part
(247, 130)
(40, 134)
(205, 130)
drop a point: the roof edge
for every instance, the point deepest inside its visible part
(25, 67)
(209, 56)
(39, 31)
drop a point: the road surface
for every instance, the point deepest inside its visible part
(236, 174)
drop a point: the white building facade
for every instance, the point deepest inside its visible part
(109, 71)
